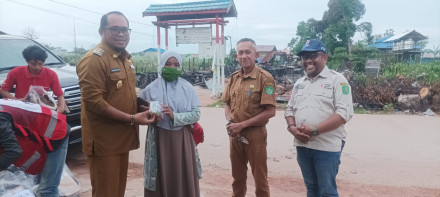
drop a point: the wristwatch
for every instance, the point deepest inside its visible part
(315, 130)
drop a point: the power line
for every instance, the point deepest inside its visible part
(76, 18)
(91, 11)
(46, 10)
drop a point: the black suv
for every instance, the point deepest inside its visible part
(11, 48)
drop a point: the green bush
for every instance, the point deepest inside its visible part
(72, 58)
(360, 54)
(427, 72)
(145, 64)
(335, 61)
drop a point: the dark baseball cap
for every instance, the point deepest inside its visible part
(313, 45)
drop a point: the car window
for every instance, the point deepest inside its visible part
(11, 53)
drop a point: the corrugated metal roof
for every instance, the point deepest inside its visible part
(189, 7)
(416, 36)
(380, 44)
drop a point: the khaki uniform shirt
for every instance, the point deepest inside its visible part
(107, 77)
(246, 96)
(314, 100)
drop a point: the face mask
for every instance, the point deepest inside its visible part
(170, 74)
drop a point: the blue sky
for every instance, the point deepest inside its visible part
(267, 22)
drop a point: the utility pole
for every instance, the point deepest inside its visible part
(74, 35)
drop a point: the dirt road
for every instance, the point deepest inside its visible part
(385, 155)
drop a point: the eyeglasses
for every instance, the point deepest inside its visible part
(311, 56)
(116, 30)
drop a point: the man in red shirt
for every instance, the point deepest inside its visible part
(33, 74)
(36, 74)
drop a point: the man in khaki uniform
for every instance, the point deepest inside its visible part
(250, 103)
(110, 125)
(318, 108)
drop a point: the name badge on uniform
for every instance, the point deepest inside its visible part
(115, 70)
(132, 66)
(328, 86)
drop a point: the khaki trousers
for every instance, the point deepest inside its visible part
(255, 153)
(108, 174)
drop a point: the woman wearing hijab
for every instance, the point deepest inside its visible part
(172, 166)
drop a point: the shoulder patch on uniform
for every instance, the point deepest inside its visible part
(343, 84)
(345, 89)
(98, 51)
(269, 90)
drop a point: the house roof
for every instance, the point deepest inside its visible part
(268, 57)
(416, 36)
(192, 10)
(266, 48)
(154, 50)
(380, 44)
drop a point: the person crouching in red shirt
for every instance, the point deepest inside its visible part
(33, 74)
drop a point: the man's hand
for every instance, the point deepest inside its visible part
(144, 118)
(297, 132)
(234, 128)
(306, 129)
(60, 109)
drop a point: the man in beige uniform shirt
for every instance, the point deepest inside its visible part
(318, 108)
(110, 125)
(250, 102)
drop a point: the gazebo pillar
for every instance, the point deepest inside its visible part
(158, 47)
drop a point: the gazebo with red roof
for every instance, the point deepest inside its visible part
(193, 13)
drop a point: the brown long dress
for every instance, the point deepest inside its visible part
(177, 170)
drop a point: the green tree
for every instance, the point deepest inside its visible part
(367, 29)
(341, 16)
(292, 44)
(361, 53)
(230, 60)
(336, 28)
(388, 32)
(339, 56)
(307, 30)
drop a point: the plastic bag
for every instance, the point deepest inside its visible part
(37, 94)
(69, 186)
(14, 182)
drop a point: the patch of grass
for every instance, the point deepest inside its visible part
(217, 103)
(359, 110)
(389, 108)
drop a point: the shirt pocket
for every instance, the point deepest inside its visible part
(117, 82)
(253, 101)
(299, 92)
(324, 97)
